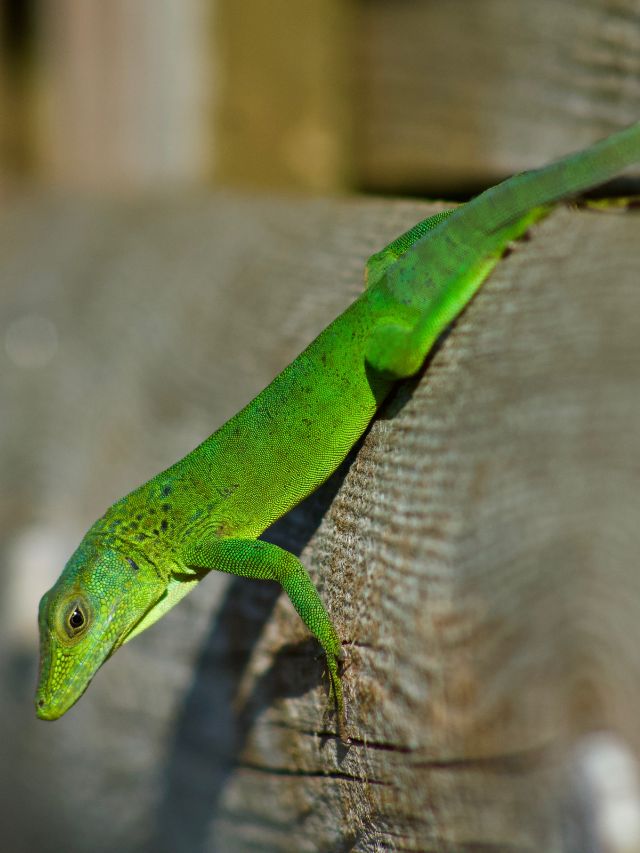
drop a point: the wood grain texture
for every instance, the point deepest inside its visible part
(478, 553)
(461, 94)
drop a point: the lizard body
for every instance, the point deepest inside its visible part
(206, 511)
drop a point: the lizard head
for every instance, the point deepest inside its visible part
(98, 599)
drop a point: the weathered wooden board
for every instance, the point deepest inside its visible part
(460, 94)
(479, 554)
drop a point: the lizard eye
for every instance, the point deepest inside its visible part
(76, 619)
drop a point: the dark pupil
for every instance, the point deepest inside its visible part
(76, 620)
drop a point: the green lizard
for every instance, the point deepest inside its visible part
(205, 512)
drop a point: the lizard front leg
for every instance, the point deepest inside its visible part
(262, 560)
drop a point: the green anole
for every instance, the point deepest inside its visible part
(205, 512)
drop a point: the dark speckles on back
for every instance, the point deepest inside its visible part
(142, 525)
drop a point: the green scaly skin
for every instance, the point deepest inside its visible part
(205, 512)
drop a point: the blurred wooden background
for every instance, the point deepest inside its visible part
(160, 261)
(414, 96)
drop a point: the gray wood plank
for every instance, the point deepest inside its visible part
(478, 553)
(461, 94)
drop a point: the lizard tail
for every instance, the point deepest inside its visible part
(432, 281)
(477, 228)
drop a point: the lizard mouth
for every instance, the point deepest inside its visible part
(49, 710)
(51, 702)
(54, 705)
